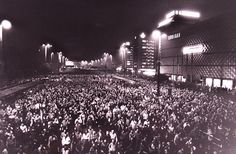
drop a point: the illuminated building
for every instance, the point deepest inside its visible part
(143, 53)
(199, 51)
(129, 57)
(147, 54)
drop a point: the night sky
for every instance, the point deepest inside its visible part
(84, 29)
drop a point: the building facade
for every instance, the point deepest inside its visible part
(129, 57)
(201, 52)
(143, 54)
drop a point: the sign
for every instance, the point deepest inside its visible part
(174, 36)
(193, 49)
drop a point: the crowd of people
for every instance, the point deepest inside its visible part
(8, 83)
(100, 114)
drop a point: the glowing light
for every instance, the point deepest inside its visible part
(186, 13)
(60, 57)
(127, 43)
(216, 82)
(119, 68)
(52, 54)
(173, 36)
(156, 34)
(209, 82)
(69, 63)
(163, 35)
(147, 72)
(173, 77)
(123, 49)
(181, 79)
(49, 45)
(227, 84)
(142, 35)
(165, 22)
(189, 14)
(6, 24)
(193, 49)
(170, 14)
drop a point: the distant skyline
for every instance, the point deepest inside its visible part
(85, 29)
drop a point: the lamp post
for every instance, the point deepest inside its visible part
(46, 47)
(105, 63)
(122, 53)
(124, 59)
(4, 25)
(156, 35)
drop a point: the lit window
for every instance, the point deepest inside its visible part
(216, 82)
(227, 84)
(193, 49)
(209, 82)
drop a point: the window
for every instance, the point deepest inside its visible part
(209, 82)
(216, 82)
(173, 77)
(227, 84)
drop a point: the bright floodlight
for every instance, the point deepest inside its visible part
(49, 45)
(127, 43)
(165, 22)
(123, 44)
(171, 14)
(193, 49)
(186, 13)
(69, 63)
(163, 35)
(191, 14)
(6, 24)
(156, 34)
(142, 35)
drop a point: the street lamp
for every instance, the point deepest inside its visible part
(142, 35)
(52, 54)
(5, 24)
(156, 35)
(123, 49)
(105, 62)
(127, 43)
(46, 47)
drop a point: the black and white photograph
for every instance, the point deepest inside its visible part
(117, 77)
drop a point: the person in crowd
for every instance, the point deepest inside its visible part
(101, 114)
